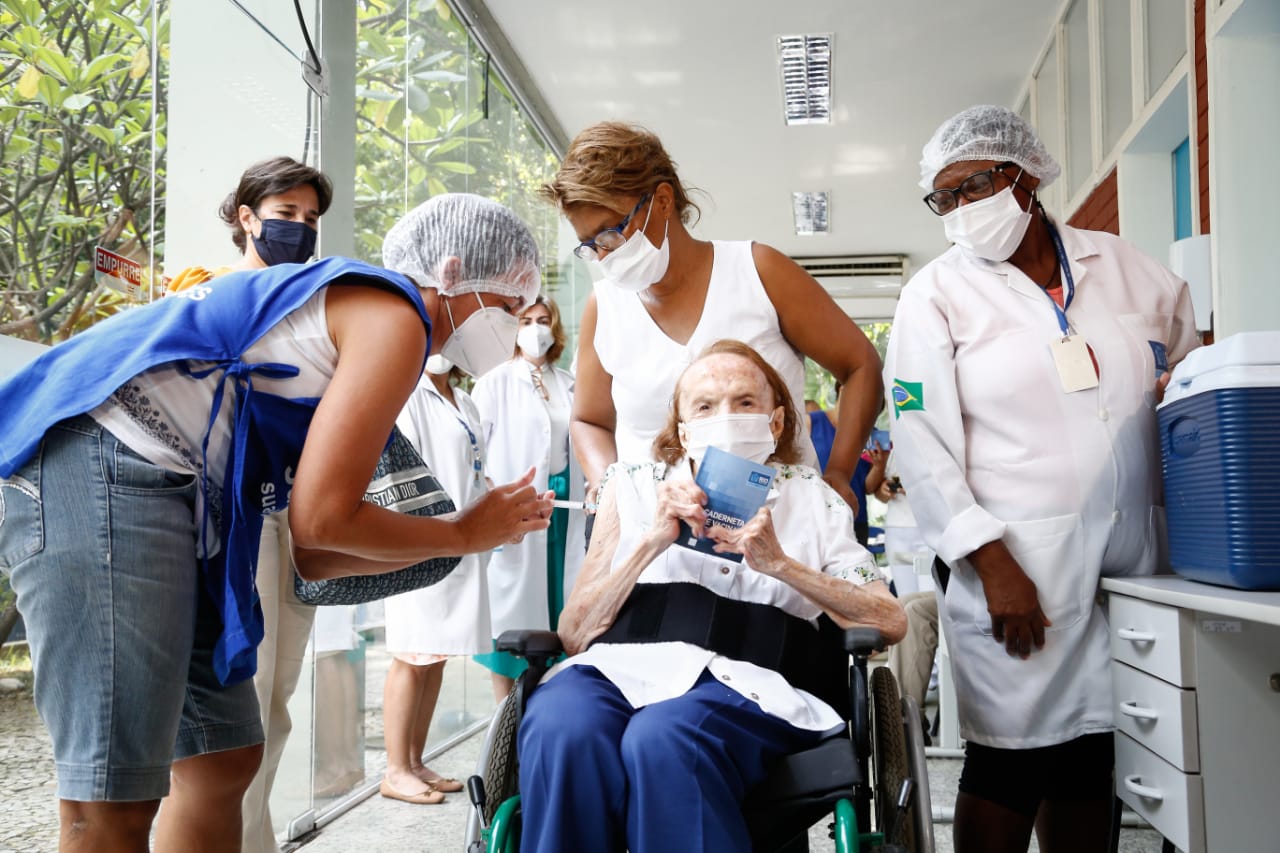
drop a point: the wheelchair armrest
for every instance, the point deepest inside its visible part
(863, 642)
(527, 642)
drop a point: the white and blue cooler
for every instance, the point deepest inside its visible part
(1220, 445)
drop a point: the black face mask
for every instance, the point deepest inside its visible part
(283, 241)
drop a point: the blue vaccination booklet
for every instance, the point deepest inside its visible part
(736, 488)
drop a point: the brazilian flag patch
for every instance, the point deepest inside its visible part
(907, 396)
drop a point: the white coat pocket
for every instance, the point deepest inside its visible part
(1051, 552)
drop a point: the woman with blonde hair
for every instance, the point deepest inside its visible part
(524, 412)
(666, 295)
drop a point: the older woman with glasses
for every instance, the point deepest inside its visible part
(666, 295)
(1025, 365)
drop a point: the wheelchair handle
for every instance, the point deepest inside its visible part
(863, 642)
(476, 793)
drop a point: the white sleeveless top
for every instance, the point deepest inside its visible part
(645, 363)
(162, 413)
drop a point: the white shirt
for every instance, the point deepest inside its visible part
(645, 363)
(990, 447)
(814, 526)
(450, 617)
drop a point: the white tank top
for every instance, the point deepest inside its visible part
(162, 413)
(645, 363)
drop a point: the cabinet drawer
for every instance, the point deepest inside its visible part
(1168, 799)
(1154, 638)
(1158, 715)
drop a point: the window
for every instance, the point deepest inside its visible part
(1182, 190)
(1166, 31)
(1117, 71)
(1079, 153)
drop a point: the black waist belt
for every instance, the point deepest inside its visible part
(808, 658)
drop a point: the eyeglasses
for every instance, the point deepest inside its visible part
(977, 186)
(609, 239)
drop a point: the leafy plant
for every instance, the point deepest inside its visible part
(82, 134)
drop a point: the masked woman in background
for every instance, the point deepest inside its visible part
(524, 408)
(273, 214)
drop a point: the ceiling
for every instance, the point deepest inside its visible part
(703, 75)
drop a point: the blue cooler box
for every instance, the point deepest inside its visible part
(1220, 445)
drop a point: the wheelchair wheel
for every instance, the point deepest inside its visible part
(500, 770)
(890, 754)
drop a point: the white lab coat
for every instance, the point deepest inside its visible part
(1070, 482)
(450, 617)
(517, 435)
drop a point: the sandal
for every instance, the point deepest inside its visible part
(446, 784)
(430, 797)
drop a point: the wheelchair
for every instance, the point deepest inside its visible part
(888, 812)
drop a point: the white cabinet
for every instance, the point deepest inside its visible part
(1196, 675)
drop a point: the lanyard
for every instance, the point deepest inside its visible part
(477, 465)
(1069, 284)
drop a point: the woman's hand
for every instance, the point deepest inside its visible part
(757, 540)
(678, 500)
(1016, 618)
(505, 515)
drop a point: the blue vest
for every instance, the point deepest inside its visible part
(215, 324)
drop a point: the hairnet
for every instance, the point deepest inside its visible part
(987, 133)
(496, 251)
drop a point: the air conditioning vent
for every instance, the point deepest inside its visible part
(855, 266)
(804, 62)
(866, 287)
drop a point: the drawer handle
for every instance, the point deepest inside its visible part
(1144, 791)
(1135, 636)
(1133, 709)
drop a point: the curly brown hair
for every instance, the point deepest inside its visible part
(667, 447)
(612, 161)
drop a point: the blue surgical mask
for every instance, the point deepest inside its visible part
(283, 241)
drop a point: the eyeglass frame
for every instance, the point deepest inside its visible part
(958, 191)
(592, 245)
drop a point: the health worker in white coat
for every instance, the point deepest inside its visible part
(525, 406)
(1025, 364)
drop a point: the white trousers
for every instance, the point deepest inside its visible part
(288, 627)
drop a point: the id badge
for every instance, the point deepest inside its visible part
(1075, 366)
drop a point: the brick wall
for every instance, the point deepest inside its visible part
(1200, 74)
(1101, 210)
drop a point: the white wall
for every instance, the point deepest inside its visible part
(1244, 182)
(235, 97)
(14, 353)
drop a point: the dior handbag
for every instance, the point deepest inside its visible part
(404, 483)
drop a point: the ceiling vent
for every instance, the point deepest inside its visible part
(812, 213)
(805, 64)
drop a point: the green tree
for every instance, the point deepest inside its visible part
(82, 134)
(431, 117)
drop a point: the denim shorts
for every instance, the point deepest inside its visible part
(100, 548)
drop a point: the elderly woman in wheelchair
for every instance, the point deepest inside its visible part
(690, 673)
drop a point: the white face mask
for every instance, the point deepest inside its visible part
(746, 435)
(638, 263)
(990, 229)
(534, 340)
(438, 365)
(483, 341)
